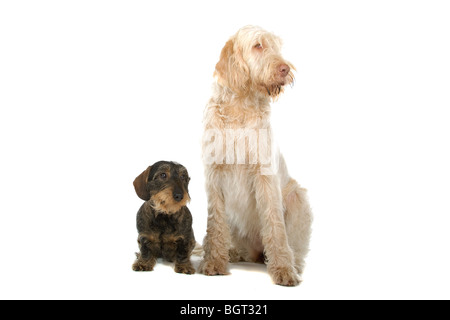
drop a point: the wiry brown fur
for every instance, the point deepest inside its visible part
(164, 222)
(163, 202)
(251, 216)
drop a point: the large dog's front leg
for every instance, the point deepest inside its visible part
(280, 258)
(217, 240)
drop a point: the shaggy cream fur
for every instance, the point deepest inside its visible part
(253, 214)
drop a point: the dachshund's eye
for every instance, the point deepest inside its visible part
(183, 177)
(163, 175)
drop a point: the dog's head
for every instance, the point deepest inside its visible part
(165, 185)
(252, 60)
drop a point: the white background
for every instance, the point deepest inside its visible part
(92, 92)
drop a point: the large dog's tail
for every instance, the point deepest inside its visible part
(198, 250)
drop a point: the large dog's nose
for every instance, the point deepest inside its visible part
(284, 69)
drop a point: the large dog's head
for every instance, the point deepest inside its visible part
(251, 61)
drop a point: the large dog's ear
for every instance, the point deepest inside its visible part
(231, 69)
(140, 185)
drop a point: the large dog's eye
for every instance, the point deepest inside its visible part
(258, 46)
(163, 175)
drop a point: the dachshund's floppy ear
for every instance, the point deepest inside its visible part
(140, 185)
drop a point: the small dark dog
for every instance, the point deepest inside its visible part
(164, 222)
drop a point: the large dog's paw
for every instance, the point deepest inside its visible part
(211, 268)
(285, 277)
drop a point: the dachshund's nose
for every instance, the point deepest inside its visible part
(178, 196)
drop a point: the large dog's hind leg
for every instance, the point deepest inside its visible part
(298, 219)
